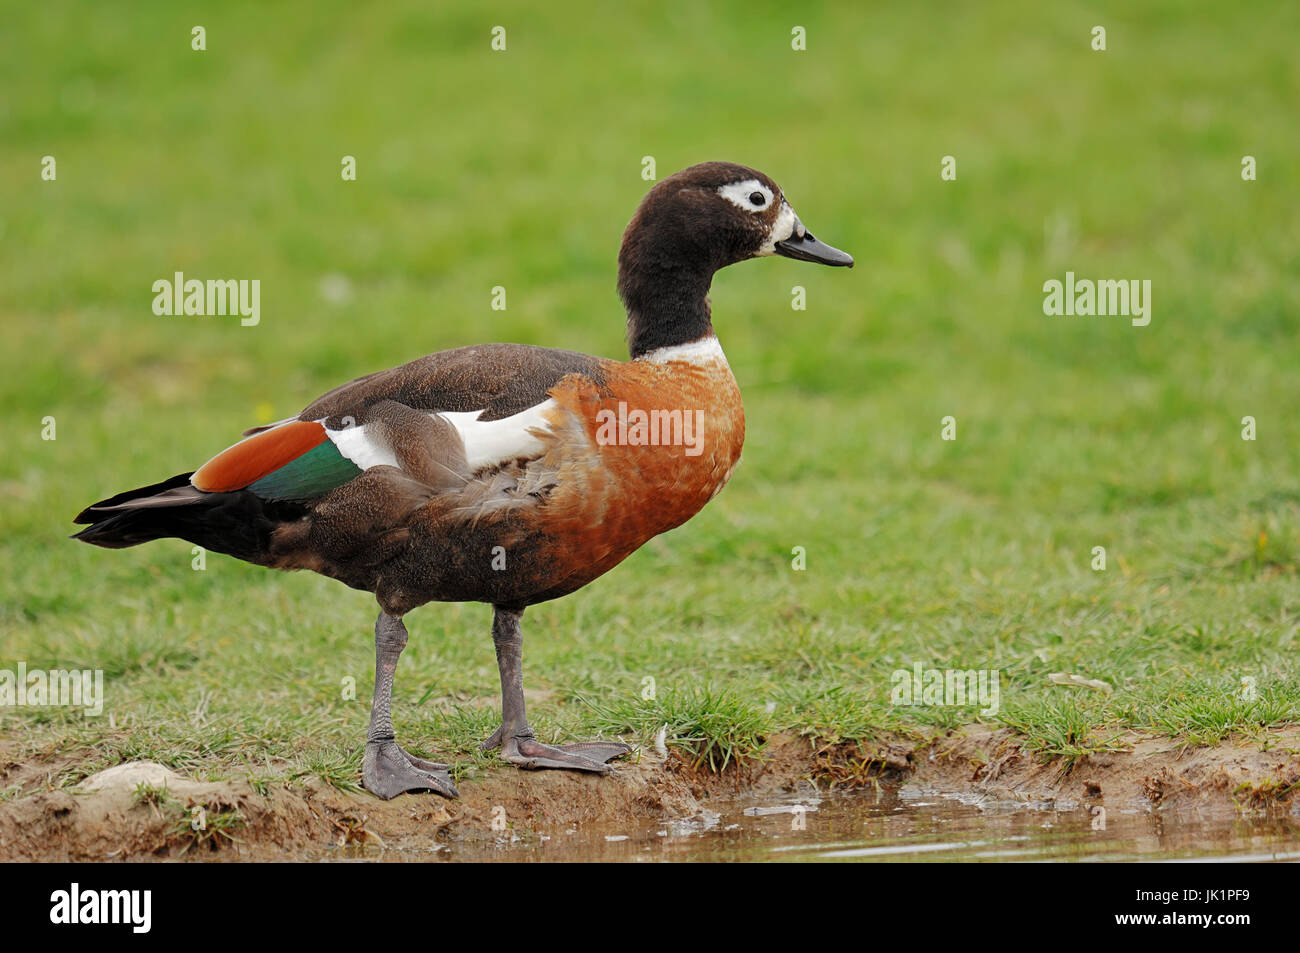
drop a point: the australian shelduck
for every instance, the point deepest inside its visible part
(498, 473)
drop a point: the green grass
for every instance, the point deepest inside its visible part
(199, 827)
(1059, 728)
(520, 169)
(151, 795)
(714, 729)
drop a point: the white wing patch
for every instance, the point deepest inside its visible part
(487, 442)
(361, 447)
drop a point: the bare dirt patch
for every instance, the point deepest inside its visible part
(143, 811)
(1159, 772)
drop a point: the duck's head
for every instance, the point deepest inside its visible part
(687, 227)
(721, 213)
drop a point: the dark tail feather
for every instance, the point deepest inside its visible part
(96, 511)
(236, 524)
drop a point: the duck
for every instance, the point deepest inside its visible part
(504, 474)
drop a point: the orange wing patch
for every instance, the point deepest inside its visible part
(250, 460)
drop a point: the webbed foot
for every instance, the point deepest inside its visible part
(388, 771)
(531, 755)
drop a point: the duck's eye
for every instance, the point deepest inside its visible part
(750, 195)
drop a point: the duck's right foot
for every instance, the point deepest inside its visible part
(389, 771)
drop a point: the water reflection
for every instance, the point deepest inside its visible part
(910, 824)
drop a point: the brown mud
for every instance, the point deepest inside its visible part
(143, 811)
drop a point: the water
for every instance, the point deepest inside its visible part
(910, 825)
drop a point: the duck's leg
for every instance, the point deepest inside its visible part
(514, 737)
(388, 770)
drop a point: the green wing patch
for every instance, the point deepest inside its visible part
(313, 474)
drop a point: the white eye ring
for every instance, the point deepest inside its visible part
(742, 194)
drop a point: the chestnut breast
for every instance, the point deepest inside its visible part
(659, 441)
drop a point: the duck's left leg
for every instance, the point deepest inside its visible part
(514, 737)
(388, 770)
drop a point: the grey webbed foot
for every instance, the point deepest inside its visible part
(389, 771)
(531, 755)
(514, 737)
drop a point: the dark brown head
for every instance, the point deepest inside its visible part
(687, 227)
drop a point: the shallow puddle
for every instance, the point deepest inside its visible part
(894, 826)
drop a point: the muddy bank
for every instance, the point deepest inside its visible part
(143, 811)
(1152, 772)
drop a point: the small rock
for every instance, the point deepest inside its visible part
(131, 775)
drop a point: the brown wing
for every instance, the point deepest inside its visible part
(499, 379)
